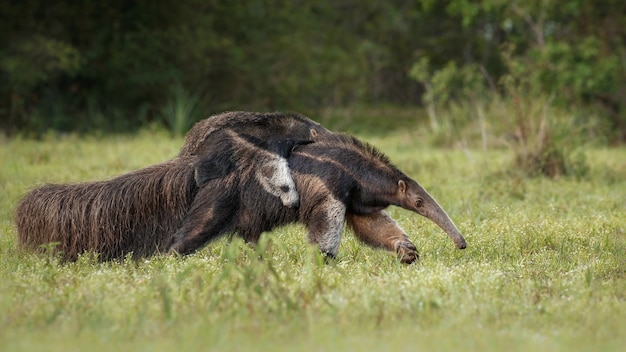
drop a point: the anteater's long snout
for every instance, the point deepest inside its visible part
(443, 220)
(436, 214)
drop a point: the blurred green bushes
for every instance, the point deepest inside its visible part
(117, 65)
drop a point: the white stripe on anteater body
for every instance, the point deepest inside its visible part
(139, 212)
(334, 175)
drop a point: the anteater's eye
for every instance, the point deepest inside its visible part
(419, 202)
(284, 188)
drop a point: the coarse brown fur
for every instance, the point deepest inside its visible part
(136, 212)
(269, 127)
(140, 211)
(335, 175)
(270, 131)
(377, 228)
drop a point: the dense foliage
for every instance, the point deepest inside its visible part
(116, 65)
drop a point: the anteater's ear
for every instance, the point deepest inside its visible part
(313, 133)
(211, 168)
(284, 147)
(401, 186)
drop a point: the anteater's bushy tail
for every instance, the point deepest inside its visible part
(137, 212)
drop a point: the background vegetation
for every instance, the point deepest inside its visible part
(478, 100)
(117, 65)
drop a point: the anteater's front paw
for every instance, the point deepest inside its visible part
(407, 252)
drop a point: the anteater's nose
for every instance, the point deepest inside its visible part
(460, 243)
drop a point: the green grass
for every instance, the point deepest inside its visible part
(545, 267)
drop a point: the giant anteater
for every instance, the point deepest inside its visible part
(335, 175)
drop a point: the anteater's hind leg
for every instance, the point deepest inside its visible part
(205, 222)
(379, 230)
(325, 224)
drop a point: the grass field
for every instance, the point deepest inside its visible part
(545, 267)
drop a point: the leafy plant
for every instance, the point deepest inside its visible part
(545, 144)
(181, 111)
(545, 139)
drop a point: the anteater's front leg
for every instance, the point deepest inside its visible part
(379, 230)
(325, 224)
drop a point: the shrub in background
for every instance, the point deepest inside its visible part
(181, 111)
(465, 105)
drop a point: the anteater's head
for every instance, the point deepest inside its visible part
(412, 196)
